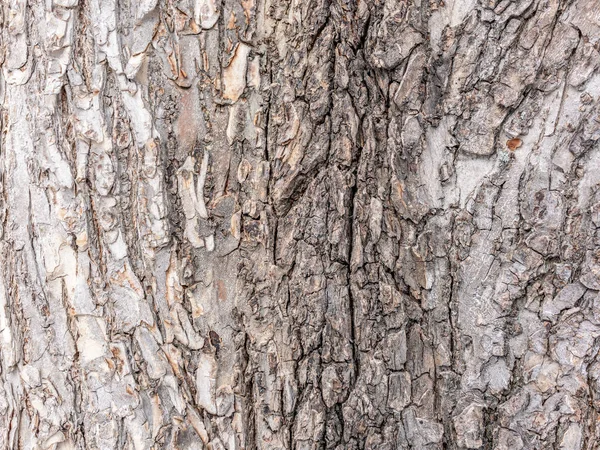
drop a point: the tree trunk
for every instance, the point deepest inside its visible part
(307, 224)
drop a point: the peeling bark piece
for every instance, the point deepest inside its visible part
(508, 440)
(399, 391)
(572, 439)
(421, 432)
(206, 383)
(566, 298)
(192, 199)
(206, 13)
(590, 276)
(469, 426)
(234, 75)
(151, 353)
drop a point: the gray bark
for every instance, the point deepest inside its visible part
(320, 224)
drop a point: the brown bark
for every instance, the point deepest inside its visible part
(272, 224)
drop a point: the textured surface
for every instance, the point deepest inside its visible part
(305, 224)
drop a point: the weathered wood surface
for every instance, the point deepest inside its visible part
(306, 224)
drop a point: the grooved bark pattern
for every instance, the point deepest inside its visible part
(289, 224)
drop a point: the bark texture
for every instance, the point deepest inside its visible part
(299, 224)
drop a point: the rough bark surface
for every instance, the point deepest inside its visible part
(299, 224)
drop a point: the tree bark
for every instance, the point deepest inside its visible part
(320, 224)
